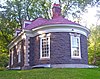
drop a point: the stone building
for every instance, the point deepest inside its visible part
(56, 42)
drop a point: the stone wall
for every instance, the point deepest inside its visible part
(15, 56)
(60, 50)
(34, 52)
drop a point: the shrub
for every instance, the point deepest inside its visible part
(3, 59)
(2, 68)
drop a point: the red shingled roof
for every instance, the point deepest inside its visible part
(36, 23)
(56, 19)
(60, 20)
(41, 21)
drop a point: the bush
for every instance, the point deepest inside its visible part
(3, 59)
(2, 68)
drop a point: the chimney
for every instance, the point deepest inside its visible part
(56, 9)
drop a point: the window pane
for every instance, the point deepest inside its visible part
(75, 43)
(45, 47)
(75, 52)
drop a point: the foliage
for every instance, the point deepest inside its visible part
(94, 46)
(6, 34)
(74, 7)
(11, 17)
(2, 68)
(19, 10)
(52, 74)
(3, 59)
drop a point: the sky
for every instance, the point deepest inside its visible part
(89, 18)
(2, 1)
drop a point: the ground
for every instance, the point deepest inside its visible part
(51, 73)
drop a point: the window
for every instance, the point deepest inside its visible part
(19, 56)
(45, 46)
(19, 52)
(75, 46)
(12, 59)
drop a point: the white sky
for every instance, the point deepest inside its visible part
(90, 17)
(2, 1)
(55, 1)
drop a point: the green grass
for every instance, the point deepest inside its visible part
(50, 73)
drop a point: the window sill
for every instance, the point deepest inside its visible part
(76, 58)
(44, 58)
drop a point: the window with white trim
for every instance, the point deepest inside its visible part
(19, 52)
(45, 46)
(19, 56)
(12, 56)
(75, 46)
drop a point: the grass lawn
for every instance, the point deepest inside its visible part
(50, 73)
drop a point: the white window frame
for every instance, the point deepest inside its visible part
(19, 53)
(12, 57)
(78, 36)
(44, 37)
(19, 57)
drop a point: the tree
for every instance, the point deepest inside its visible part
(94, 46)
(75, 8)
(19, 10)
(11, 17)
(94, 40)
(3, 60)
